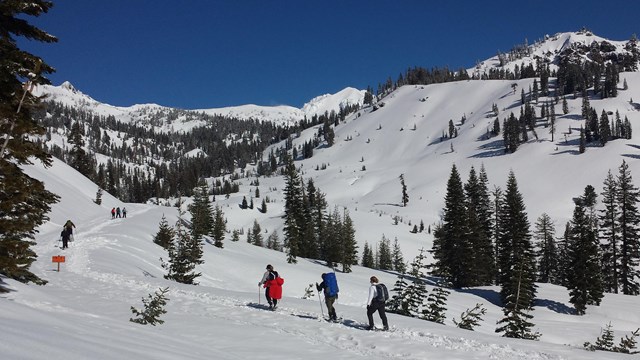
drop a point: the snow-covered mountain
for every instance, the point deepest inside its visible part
(84, 310)
(68, 95)
(582, 45)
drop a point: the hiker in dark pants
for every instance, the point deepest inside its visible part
(273, 286)
(375, 303)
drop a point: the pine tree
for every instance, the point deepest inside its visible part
(153, 308)
(398, 303)
(201, 212)
(349, 251)
(583, 141)
(584, 280)
(185, 252)
(293, 212)
(451, 247)
(435, 308)
(479, 225)
(24, 201)
(610, 235)
(547, 251)
(604, 128)
(219, 228)
(398, 259)
(368, 260)
(471, 317)
(629, 225)
(165, 234)
(78, 158)
(565, 105)
(415, 292)
(517, 265)
(385, 259)
(405, 196)
(256, 232)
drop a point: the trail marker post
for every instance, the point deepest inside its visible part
(58, 259)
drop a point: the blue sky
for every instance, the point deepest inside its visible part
(214, 53)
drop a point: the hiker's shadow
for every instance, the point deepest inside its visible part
(258, 306)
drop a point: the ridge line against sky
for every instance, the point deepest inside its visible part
(209, 54)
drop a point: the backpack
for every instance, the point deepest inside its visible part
(332, 284)
(382, 293)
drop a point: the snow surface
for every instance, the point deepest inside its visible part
(84, 311)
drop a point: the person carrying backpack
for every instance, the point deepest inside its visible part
(330, 286)
(272, 282)
(378, 294)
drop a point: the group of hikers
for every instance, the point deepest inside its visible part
(67, 233)
(117, 213)
(378, 294)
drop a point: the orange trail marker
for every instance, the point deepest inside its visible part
(58, 259)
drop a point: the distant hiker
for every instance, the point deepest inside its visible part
(118, 212)
(65, 238)
(68, 226)
(330, 286)
(376, 302)
(113, 213)
(272, 282)
(124, 212)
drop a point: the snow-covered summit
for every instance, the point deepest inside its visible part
(550, 49)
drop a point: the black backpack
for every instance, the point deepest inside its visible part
(383, 293)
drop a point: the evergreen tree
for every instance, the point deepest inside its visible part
(398, 304)
(604, 128)
(24, 201)
(273, 241)
(165, 234)
(565, 105)
(185, 252)
(471, 317)
(629, 226)
(451, 247)
(293, 212)
(201, 212)
(78, 158)
(153, 308)
(219, 228)
(547, 251)
(609, 235)
(367, 257)
(479, 225)
(349, 253)
(405, 196)
(583, 142)
(410, 300)
(385, 258)
(517, 265)
(435, 309)
(256, 231)
(398, 259)
(584, 280)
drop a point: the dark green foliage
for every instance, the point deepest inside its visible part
(185, 252)
(629, 225)
(451, 248)
(201, 212)
(78, 158)
(153, 308)
(385, 257)
(547, 253)
(219, 228)
(409, 297)
(604, 342)
(349, 245)
(516, 264)
(98, 199)
(435, 307)
(604, 128)
(478, 205)
(610, 235)
(294, 222)
(255, 235)
(164, 236)
(405, 196)
(24, 201)
(398, 260)
(583, 141)
(367, 257)
(584, 279)
(471, 317)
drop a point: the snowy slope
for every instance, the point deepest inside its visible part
(83, 312)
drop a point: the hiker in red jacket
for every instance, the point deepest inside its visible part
(272, 283)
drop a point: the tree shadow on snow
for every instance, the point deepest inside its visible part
(491, 296)
(555, 306)
(491, 149)
(4, 286)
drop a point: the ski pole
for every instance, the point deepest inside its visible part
(320, 301)
(258, 294)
